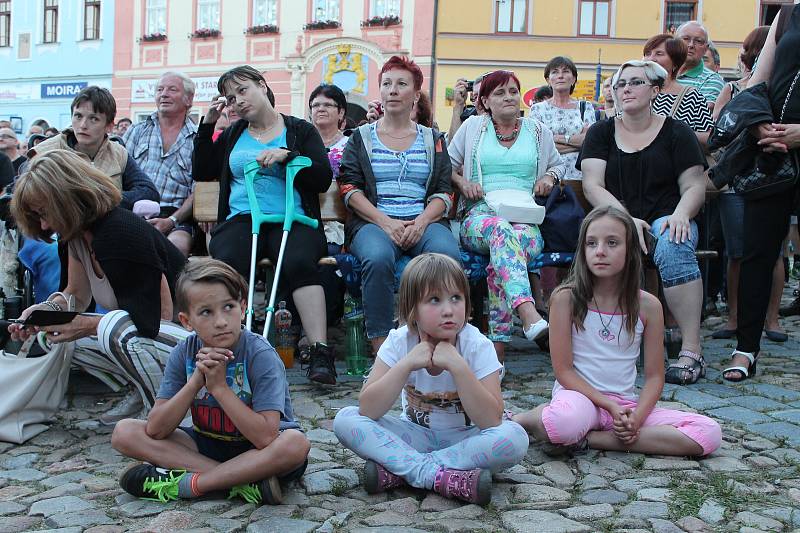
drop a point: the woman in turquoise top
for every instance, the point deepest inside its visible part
(496, 151)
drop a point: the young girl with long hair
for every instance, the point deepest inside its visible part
(599, 319)
(452, 434)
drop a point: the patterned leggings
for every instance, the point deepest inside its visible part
(118, 355)
(415, 452)
(510, 247)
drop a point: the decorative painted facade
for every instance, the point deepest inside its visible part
(297, 44)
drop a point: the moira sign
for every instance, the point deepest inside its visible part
(62, 90)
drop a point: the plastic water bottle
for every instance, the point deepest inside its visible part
(356, 359)
(284, 343)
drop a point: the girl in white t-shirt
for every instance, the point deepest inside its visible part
(451, 434)
(598, 320)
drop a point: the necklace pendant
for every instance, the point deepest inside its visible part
(604, 333)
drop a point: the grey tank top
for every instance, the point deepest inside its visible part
(102, 292)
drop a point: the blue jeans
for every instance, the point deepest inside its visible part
(378, 255)
(416, 453)
(676, 262)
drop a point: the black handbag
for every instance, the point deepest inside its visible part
(771, 173)
(562, 219)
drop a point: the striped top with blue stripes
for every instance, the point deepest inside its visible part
(400, 177)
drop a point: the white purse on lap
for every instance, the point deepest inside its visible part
(31, 388)
(515, 206)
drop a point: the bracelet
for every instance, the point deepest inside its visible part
(566, 139)
(52, 305)
(174, 221)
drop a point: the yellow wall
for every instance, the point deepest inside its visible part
(465, 35)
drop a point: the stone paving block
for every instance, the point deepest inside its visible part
(592, 481)
(778, 430)
(773, 391)
(698, 400)
(757, 521)
(654, 495)
(23, 474)
(724, 464)
(67, 477)
(559, 473)
(716, 389)
(388, 518)
(711, 512)
(588, 512)
(654, 463)
(660, 525)
(633, 485)
(739, 415)
(322, 482)
(603, 496)
(529, 521)
(84, 519)
(64, 504)
(787, 515)
(789, 415)
(539, 494)
(284, 525)
(757, 403)
(645, 510)
(8, 508)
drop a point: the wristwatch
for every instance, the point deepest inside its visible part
(174, 221)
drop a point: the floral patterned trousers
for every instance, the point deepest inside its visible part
(510, 247)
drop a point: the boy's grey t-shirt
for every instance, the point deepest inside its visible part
(256, 375)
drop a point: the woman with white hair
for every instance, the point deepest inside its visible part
(652, 167)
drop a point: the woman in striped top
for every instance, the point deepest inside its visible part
(394, 178)
(675, 100)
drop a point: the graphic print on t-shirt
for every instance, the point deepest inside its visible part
(208, 417)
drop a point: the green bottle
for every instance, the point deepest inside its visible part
(356, 359)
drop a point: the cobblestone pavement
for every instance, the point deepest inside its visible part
(66, 478)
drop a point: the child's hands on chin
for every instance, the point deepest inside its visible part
(445, 356)
(420, 355)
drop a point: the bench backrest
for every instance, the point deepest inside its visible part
(206, 200)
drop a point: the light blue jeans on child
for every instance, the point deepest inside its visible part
(416, 453)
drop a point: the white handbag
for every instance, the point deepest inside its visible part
(31, 388)
(515, 206)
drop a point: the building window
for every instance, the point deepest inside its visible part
(156, 16)
(265, 12)
(5, 23)
(676, 13)
(208, 14)
(91, 20)
(325, 10)
(595, 17)
(50, 21)
(769, 10)
(511, 15)
(384, 8)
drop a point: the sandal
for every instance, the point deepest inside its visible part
(562, 450)
(686, 374)
(743, 372)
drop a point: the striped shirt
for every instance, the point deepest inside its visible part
(400, 177)
(693, 110)
(171, 172)
(704, 80)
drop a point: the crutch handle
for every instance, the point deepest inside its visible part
(251, 174)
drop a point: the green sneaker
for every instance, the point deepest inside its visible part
(267, 491)
(151, 482)
(795, 273)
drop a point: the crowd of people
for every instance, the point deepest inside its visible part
(117, 199)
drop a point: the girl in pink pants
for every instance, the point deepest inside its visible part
(599, 319)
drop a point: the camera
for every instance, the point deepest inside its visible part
(470, 86)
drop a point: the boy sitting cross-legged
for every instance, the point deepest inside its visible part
(244, 437)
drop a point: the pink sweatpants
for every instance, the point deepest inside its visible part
(571, 415)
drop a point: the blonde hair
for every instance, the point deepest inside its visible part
(73, 193)
(207, 270)
(423, 275)
(654, 73)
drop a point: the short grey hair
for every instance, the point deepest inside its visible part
(714, 52)
(693, 23)
(654, 73)
(188, 84)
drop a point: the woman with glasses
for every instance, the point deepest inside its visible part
(328, 107)
(272, 139)
(563, 115)
(652, 167)
(499, 150)
(395, 180)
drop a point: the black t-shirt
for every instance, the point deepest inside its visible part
(786, 66)
(646, 182)
(6, 171)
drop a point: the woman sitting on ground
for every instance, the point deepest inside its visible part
(116, 258)
(500, 150)
(652, 167)
(264, 135)
(395, 180)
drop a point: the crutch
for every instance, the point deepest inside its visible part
(251, 174)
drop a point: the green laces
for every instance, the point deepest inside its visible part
(249, 493)
(164, 490)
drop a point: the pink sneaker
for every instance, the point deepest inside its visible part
(473, 486)
(378, 479)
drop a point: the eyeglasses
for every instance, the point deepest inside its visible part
(317, 105)
(699, 41)
(7, 136)
(633, 83)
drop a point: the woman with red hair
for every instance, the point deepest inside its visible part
(395, 180)
(500, 150)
